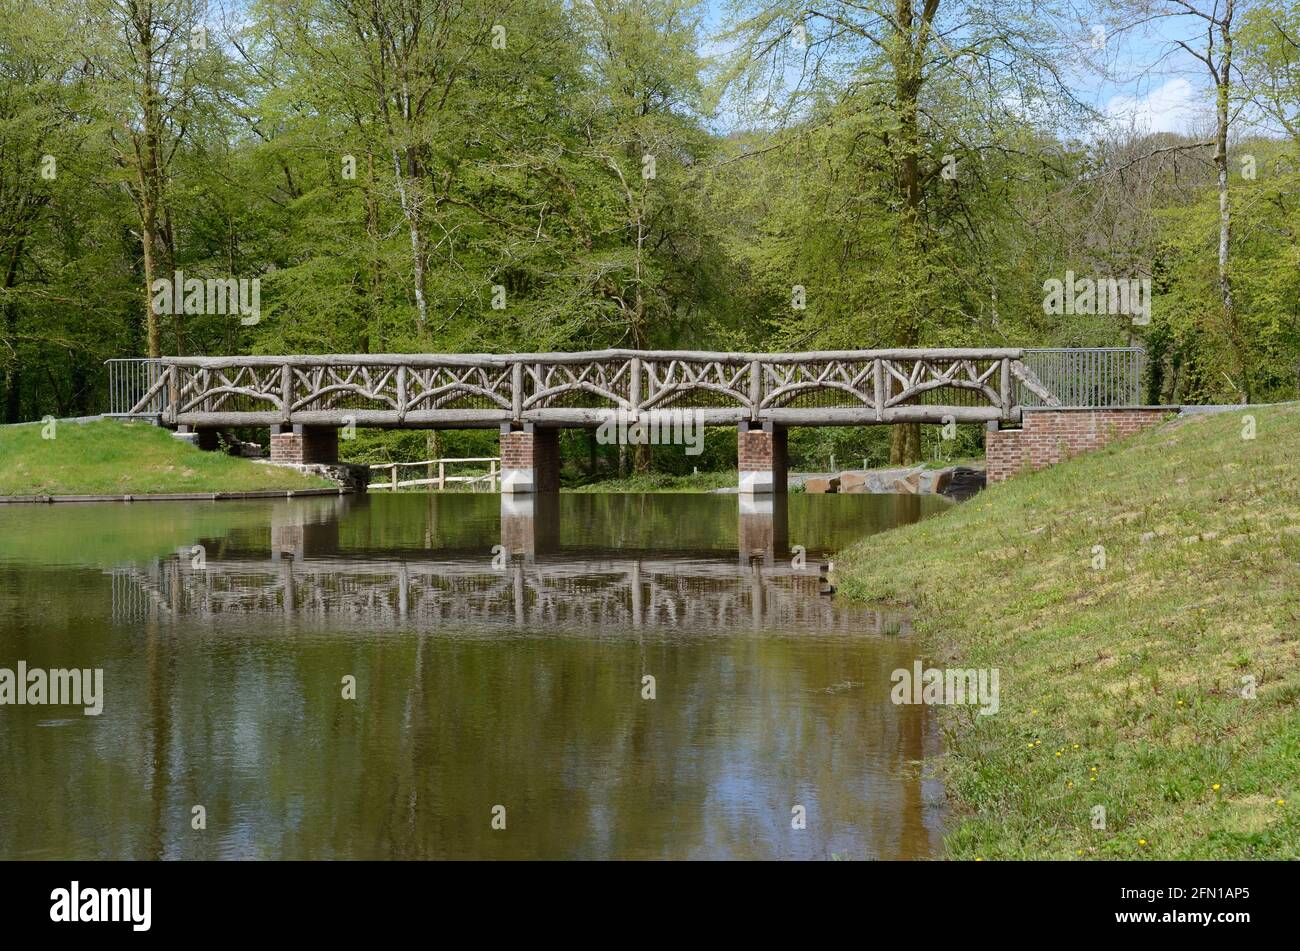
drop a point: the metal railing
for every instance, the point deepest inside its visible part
(129, 382)
(1085, 377)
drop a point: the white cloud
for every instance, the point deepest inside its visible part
(1173, 107)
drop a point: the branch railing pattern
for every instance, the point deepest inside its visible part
(579, 389)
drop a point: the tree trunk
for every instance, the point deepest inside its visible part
(908, 56)
(374, 238)
(411, 211)
(433, 447)
(148, 226)
(150, 184)
(1222, 89)
(13, 375)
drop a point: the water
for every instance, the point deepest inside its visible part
(498, 652)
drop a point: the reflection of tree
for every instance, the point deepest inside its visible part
(554, 729)
(158, 659)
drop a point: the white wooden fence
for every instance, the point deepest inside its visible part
(487, 480)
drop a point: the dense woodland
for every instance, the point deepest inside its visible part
(505, 175)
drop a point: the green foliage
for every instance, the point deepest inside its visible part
(590, 177)
(1204, 358)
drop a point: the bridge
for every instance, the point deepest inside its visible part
(530, 397)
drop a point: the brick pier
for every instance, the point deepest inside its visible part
(530, 459)
(761, 458)
(305, 445)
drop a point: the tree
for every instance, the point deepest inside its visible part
(1270, 38)
(149, 61)
(29, 116)
(884, 69)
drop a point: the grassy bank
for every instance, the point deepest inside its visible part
(110, 457)
(1121, 684)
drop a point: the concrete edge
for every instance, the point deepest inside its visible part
(1100, 409)
(178, 496)
(1212, 409)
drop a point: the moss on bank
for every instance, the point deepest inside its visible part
(110, 457)
(1122, 680)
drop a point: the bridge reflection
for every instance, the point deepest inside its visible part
(527, 580)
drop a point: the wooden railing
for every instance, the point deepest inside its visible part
(846, 387)
(487, 479)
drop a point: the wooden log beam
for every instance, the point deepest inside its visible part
(562, 418)
(866, 415)
(589, 356)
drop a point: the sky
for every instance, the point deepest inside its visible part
(1148, 81)
(1156, 84)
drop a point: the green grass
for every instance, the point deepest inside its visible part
(109, 457)
(663, 482)
(1121, 686)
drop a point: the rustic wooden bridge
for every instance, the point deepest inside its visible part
(531, 396)
(562, 390)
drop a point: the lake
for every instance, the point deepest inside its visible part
(460, 676)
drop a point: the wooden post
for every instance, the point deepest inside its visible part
(1006, 388)
(286, 391)
(173, 390)
(492, 472)
(878, 384)
(392, 482)
(755, 387)
(401, 392)
(517, 392)
(634, 387)
(442, 475)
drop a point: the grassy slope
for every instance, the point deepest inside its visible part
(1135, 669)
(109, 457)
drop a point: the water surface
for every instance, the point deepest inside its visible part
(499, 653)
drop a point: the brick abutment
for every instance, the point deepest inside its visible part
(1049, 436)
